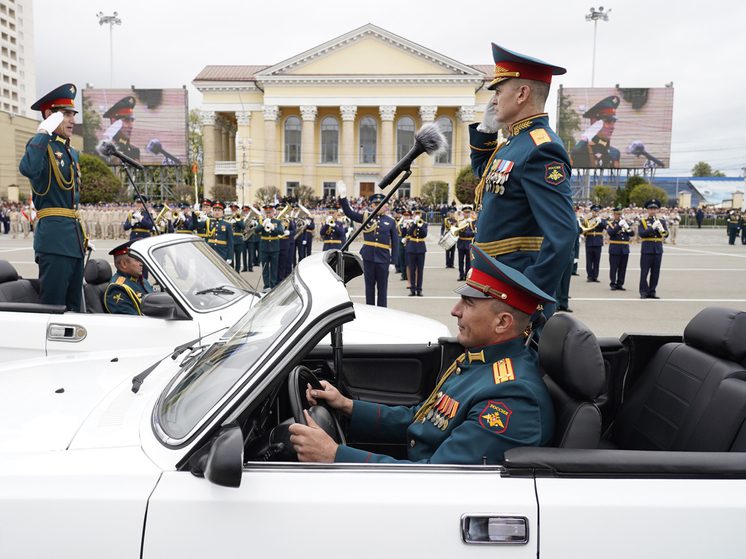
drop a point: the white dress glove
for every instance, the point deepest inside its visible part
(112, 130)
(489, 124)
(50, 124)
(592, 130)
(286, 233)
(341, 189)
(229, 261)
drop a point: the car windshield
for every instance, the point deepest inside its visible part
(200, 275)
(191, 395)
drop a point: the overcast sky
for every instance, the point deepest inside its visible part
(700, 46)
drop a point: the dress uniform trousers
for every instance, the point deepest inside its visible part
(618, 268)
(593, 246)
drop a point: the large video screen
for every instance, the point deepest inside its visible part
(148, 125)
(609, 127)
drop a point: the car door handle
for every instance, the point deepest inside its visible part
(66, 333)
(498, 529)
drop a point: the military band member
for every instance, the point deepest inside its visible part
(652, 231)
(124, 293)
(594, 149)
(674, 221)
(140, 225)
(742, 225)
(449, 221)
(305, 244)
(490, 399)
(466, 231)
(202, 224)
(249, 237)
(221, 233)
(416, 249)
(332, 232)
(121, 115)
(620, 232)
(51, 165)
(732, 222)
(239, 248)
(593, 231)
(287, 247)
(402, 224)
(270, 232)
(184, 221)
(380, 246)
(527, 219)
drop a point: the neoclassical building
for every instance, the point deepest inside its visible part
(345, 110)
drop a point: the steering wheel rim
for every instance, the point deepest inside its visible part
(327, 418)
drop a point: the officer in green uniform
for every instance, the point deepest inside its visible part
(527, 219)
(202, 224)
(128, 286)
(490, 399)
(221, 233)
(121, 115)
(270, 232)
(594, 149)
(52, 167)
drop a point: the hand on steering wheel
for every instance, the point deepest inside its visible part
(321, 412)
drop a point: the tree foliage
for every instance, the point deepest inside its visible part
(304, 194)
(91, 126)
(603, 195)
(704, 169)
(646, 191)
(569, 121)
(97, 182)
(435, 192)
(466, 183)
(266, 194)
(224, 192)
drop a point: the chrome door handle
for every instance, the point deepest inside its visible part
(495, 530)
(66, 333)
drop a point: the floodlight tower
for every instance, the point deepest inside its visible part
(594, 15)
(112, 20)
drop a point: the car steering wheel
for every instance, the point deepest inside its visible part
(322, 414)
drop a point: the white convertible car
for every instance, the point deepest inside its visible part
(197, 294)
(188, 458)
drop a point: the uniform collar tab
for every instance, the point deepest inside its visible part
(526, 123)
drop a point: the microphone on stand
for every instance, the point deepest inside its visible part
(154, 146)
(107, 149)
(429, 139)
(638, 148)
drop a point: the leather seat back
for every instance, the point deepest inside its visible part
(97, 276)
(14, 289)
(570, 356)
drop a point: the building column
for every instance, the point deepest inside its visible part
(243, 157)
(466, 116)
(271, 114)
(207, 120)
(348, 145)
(308, 115)
(388, 145)
(427, 114)
(230, 155)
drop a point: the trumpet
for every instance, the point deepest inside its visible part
(419, 222)
(592, 224)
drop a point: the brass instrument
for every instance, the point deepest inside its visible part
(592, 224)
(419, 222)
(161, 221)
(301, 215)
(284, 210)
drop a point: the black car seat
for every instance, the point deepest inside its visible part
(97, 276)
(570, 356)
(14, 289)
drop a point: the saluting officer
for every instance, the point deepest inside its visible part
(593, 231)
(652, 231)
(466, 232)
(594, 148)
(620, 232)
(121, 115)
(269, 232)
(449, 221)
(380, 246)
(237, 224)
(416, 249)
(221, 233)
(527, 219)
(128, 286)
(52, 167)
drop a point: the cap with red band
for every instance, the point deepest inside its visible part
(124, 108)
(510, 64)
(124, 248)
(62, 97)
(605, 109)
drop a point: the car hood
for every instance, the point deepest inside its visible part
(45, 401)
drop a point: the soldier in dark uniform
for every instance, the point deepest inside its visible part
(401, 231)
(416, 249)
(449, 221)
(700, 216)
(121, 115)
(221, 233)
(380, 246)
(594, 149)
(732, 222)
(652, 231)
(527, 219)
(139, 223)
(128, 286)
(490, 399)
(184, 221)
(593, 230)
(52, 167)
(742, 225)
(287, 248)
(620, 232)
(305, 241)
(202, 220)
(332, 232)
(466, 232)
(269, 232)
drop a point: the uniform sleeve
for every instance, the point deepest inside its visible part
(34, 162)
(118, 301)
(349, 212)
(546, 181)
(378, 422)
(645, 230)
(482, 146)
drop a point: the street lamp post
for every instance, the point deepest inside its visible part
(594, 15)
(112, 20)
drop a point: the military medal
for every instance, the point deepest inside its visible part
(499, 173)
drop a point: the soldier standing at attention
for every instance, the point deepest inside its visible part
(449, 221)
(732, 229)
(221, 233)
(466, 231)
(652, 231)
(237, 224)
(51, 164)
(270, 232)
(416, 249)
(593, 229)
(527, 219)
(620, 232)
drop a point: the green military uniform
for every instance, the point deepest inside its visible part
(124, 110)
(52, 167)
(221, 235)
(269, 250)
(124, 294)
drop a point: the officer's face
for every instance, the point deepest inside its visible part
(478, 323)
(131, 266)
(607, 130)
(126, 130)
(65, 129)
(505, 101)
(217, 213)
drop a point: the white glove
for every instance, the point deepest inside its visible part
(286, 233)
(623, 223)
(392, 268)
(50, 124)
(113, 130)
(267, 223)
(341, 189)
(592, 130)
(229, 261)
(489, 124)
(137, 216)
(202, 218)
(454, 230)
(303, 242)
(91, 247)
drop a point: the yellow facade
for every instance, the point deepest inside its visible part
(262, 126)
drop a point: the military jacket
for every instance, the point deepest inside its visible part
(489, 400)
(416, 237)
(125, 148)
(124, 294)
(54, 171)
(380, 238)
(594, 237)
(140, 229)
(594, 154)
(238, 229)
(651, 239)
(269, 241)
(221, 238)
(527, 219)
(619, 238)
(466, 236)
(332, 235)
(447, 223)
(307, 236)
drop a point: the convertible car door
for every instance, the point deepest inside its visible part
(342, 511)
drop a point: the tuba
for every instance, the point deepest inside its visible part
(301, 216)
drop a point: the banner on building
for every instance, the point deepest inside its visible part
(612, 128)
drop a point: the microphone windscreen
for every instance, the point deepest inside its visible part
(154, 146)
(105, 148)
(636, 148)
(431, 138)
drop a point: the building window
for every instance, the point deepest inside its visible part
(329, 140)
(290, 187)
(404, 136)
(329, 189)
(446, 126)
(292, 140)
(405, 190)
(368, 139)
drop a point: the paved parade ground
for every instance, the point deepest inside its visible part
(701, 270)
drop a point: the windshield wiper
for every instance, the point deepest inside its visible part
(219, 290)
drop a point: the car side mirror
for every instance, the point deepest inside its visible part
(159, 305)
(224, 463)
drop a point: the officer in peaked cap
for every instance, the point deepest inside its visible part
(124, 293)
(652, 230)
(269, 231)
(490, 399)
(380, 249)
(51, 165)
(620, 232)
(526, 218)
(220, 236)
(121, 115)
(593, 228)
(594, 148)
